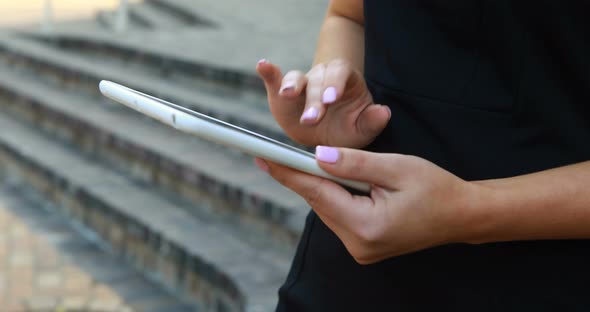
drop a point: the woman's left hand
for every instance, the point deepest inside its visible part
(413, 204)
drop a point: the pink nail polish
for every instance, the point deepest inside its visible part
(327, 154)
(263, 61)
(261, 164)
(389, 110)
(310, 114)
(287, 88)
(329, 95)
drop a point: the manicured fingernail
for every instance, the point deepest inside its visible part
(329, 95)
(310, 114)
(388, 110)
(261, 164)
(327, 154)
(287, 88)
(263, 61)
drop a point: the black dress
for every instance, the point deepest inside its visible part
(485, 89)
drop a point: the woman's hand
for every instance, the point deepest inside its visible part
(330, 105)
(413, 205)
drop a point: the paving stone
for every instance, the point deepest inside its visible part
(49, 280)
(105, 269)
(18, 230)
(24, 275)
(106, 294)
(103, 305)
(3, 284)
(15, 306)
(74, 302)
(20, 290)
(21, 259)
(75, 284)
(42, 303)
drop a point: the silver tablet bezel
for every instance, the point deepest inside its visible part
(214, 120)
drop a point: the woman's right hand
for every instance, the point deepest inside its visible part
(330, 105)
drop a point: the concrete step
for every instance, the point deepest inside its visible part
(137, 16)
(79, 73)
(155, 18)
(198, 171)
(186, 15)
(287, 36)
(63, 250)
(196, 258)
(107, 18)
(280, 16)
(246, 88)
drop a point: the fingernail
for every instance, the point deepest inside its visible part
(263, 61)
(329, 95)
(288, 87)
(327, 154)
(261, 164)
(310, 114)
(388, 110)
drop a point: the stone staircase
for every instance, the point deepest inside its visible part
(198, 218)
(49, 263)
(155, 14)
(245, 108)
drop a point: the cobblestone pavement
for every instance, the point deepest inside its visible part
(45, 265)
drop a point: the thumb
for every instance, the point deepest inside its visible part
(271, 75)
(373, 119)
(380, 169)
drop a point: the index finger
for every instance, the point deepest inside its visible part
(324, 196)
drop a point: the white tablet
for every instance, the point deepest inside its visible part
(221, 132)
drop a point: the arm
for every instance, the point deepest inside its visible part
(415, 204)
(551, 204)
(342, 34)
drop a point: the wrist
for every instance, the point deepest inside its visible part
(477, 219)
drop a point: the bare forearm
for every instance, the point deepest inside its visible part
(552, 204)
(342, 34)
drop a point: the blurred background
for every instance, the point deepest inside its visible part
(28, 12)
(102, 209)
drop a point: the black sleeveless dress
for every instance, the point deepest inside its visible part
(485, 89)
